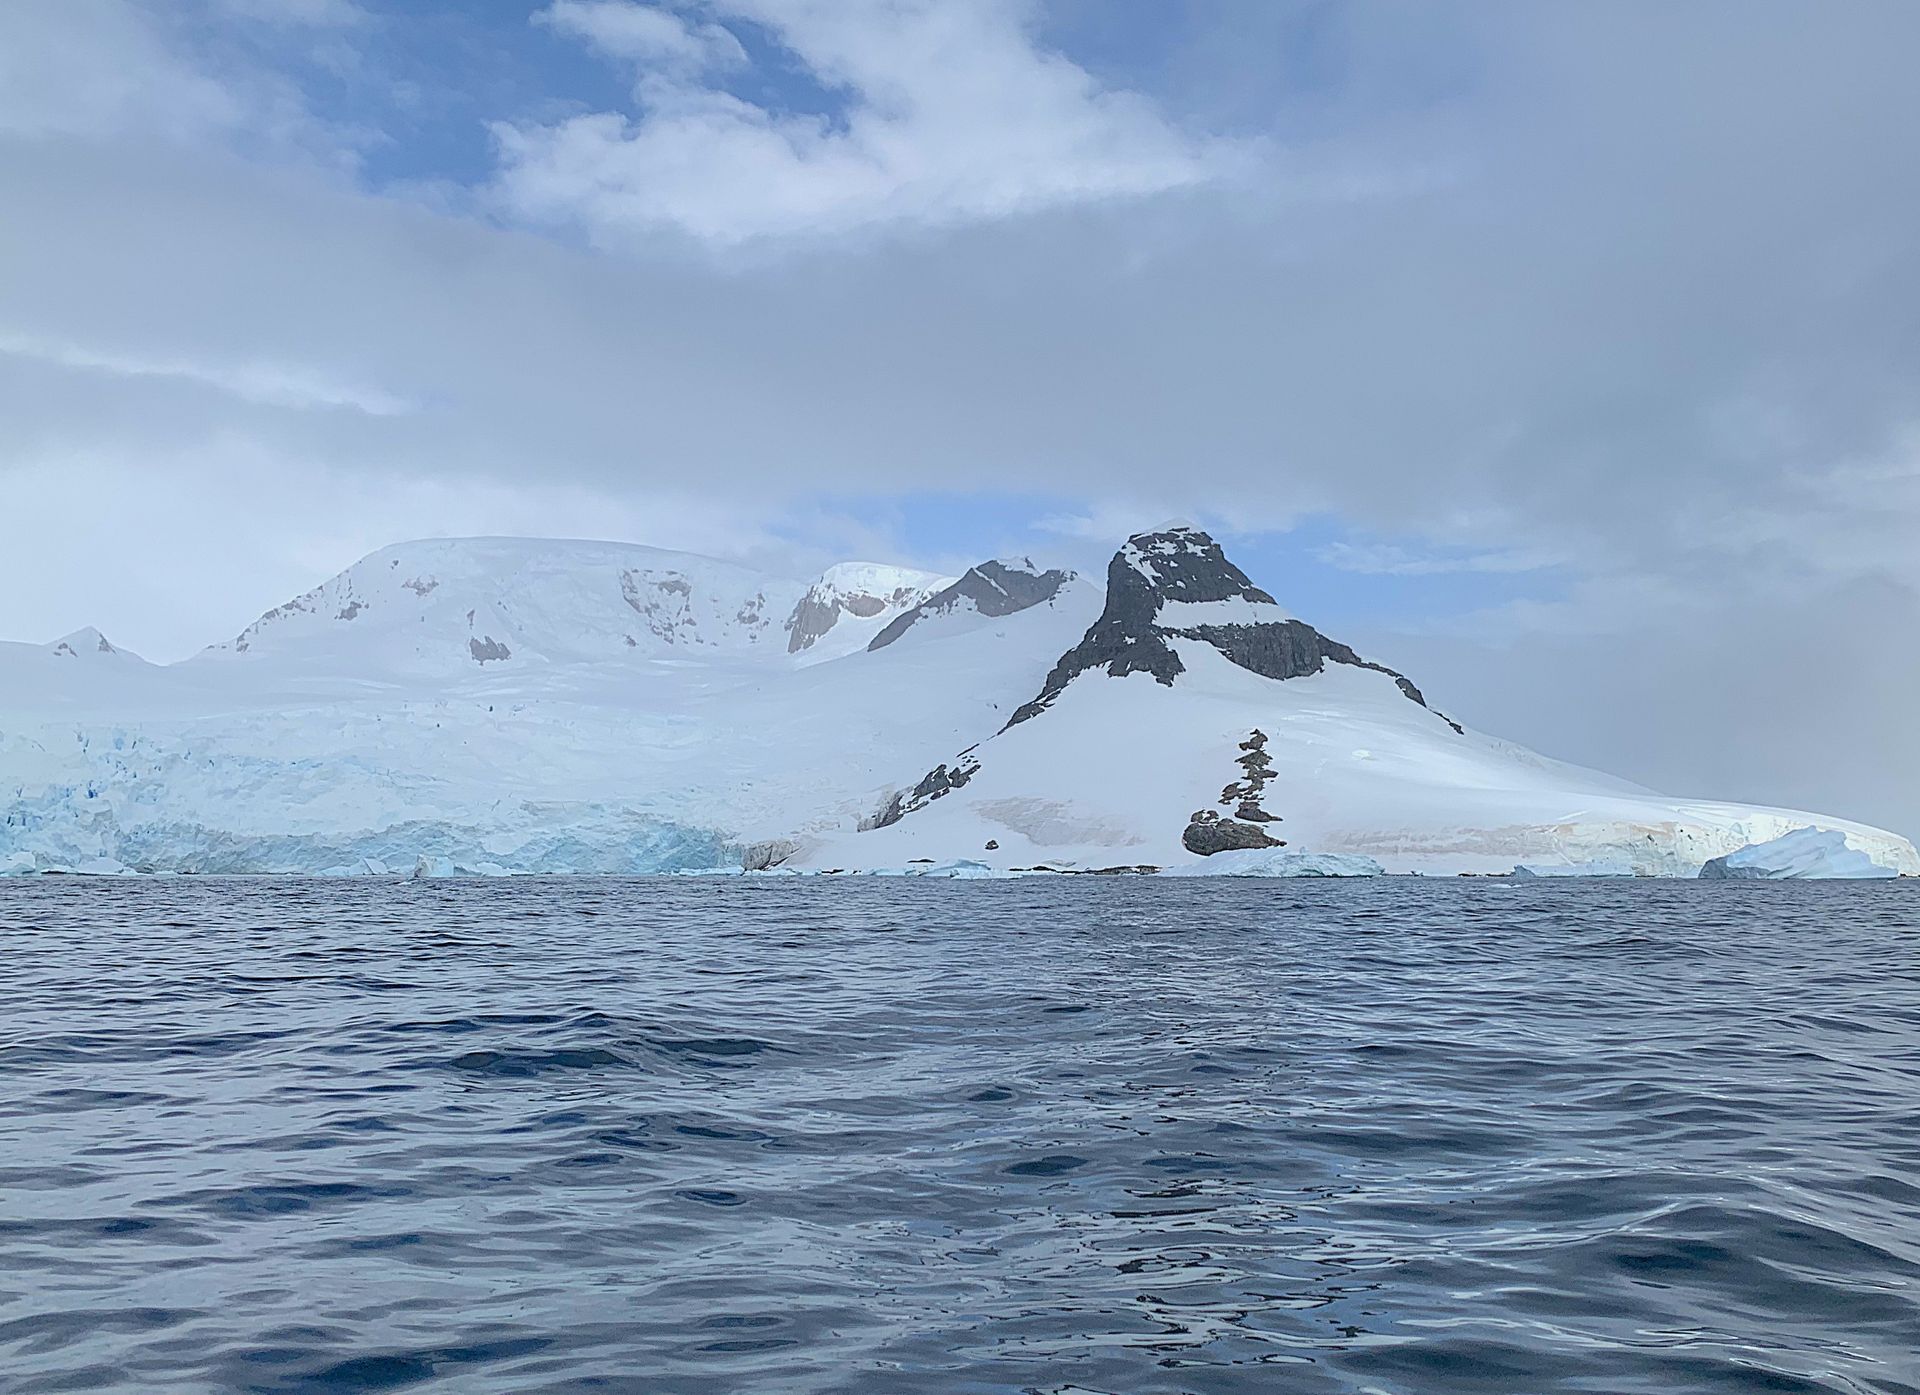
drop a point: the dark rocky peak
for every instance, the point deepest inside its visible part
(1178, 562)
(1166, 585)
(994, 589)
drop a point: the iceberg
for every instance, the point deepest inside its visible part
(958, 868)
(1806, 854)
(1277, 862)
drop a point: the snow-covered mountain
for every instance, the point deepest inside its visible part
(853, 601)
(89, 645)
(532, 705)
(448, 607)
(1197, 717)
(985, 592)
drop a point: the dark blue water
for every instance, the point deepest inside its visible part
(1075, 1135)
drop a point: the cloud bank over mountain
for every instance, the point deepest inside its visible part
(1621, 290)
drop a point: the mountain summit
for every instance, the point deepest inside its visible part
(851, 600)
(1177, 584)
(447, 608)
(90, 643)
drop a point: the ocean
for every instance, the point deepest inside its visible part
(1060, 1135)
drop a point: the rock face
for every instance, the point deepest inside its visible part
(1207, 833)
(759, 857)
(1246, 792)
(1176, 583)
(997, 588)
(937, 783)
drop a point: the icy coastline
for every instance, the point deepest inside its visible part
(513, 707)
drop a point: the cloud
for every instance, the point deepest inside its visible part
(1657, 324)
(103, 69)
(130, 73)
(268, 384)
(1390, 559)
(645, 35)
(1802, 699)
(952, 113)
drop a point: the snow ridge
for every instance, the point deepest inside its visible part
(449, 607)
(1004, 586)
(88, 643)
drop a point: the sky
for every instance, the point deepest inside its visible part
(1566, 356)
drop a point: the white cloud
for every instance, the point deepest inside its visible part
(127, 73)
(644, 34)
(268, 384)
(101, 68)
(954, 114)
(1390, 559)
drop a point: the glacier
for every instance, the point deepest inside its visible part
(518, 706)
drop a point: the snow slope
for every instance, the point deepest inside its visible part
(532, 705)
(444, 609)
(985, 592)
(1194, 698)
(327, 743)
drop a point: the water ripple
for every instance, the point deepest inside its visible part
(1082, 1137)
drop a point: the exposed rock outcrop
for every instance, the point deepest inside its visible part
(758, 857)
(937, 783)
(1174, 584)
(1207, 833)
(992, 589)
(1245, 793)
(861, 590)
